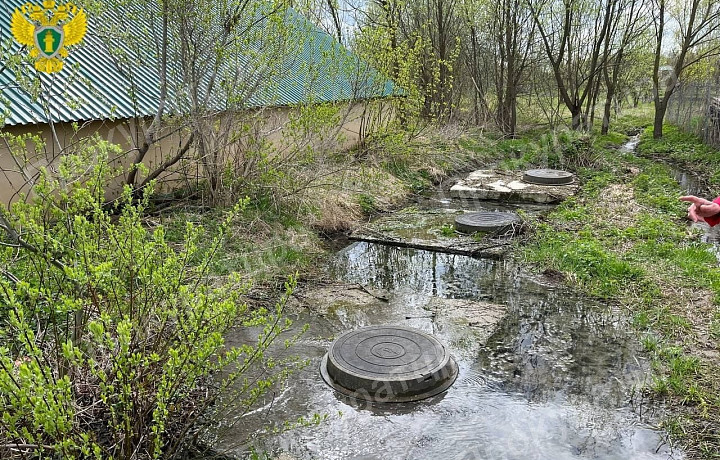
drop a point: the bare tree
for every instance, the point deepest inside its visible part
(627, 34)
(573, 35)
(697, 38)
(513, 29)
(474, 53)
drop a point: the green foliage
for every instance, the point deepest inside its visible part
(681, 369)
(715, 325)
(367, 203)
(653, 228)
(569, 211)
(114, 339)
(679, 146)
(400, 61)
(447, 230)
(633, 121)
(595, 181)
(562, 149)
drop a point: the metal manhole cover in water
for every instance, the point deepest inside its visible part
(486, 221)
(547, 177)
(388, 364)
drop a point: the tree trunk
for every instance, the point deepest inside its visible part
(606, 112)
(660, 109)
(578, 121)
(508, 118)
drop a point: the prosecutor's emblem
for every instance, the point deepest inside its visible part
(48, 30)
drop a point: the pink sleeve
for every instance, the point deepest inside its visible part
(714, 220)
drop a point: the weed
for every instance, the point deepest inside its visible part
(650, 343)
(480, 236)
(715, 325)
(594, 266)
(367, 203)
(641, 320)
(448, 230)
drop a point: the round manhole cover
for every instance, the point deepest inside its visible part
(548, 177)
(486, 222)
(388, 364)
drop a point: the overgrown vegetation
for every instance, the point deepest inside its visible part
(686, 150)
(113, 339)
(624, 238)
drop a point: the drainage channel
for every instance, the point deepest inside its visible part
(542, 372)
(691, 185)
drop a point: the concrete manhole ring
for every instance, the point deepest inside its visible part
(547, 177)
(486, 221)
(388, 364)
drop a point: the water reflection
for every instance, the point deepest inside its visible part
(552, 382)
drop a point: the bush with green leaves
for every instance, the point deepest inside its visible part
(113, 339)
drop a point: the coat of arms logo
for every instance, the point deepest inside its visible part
(48, 30)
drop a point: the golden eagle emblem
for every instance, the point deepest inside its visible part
(48, 30)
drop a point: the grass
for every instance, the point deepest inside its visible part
(684, 149)
(448, 230)
(263, 246)
(624, 237)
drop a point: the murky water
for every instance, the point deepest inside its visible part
(556, 379)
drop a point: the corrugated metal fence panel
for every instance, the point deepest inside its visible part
(95, 84)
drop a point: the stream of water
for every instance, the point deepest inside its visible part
(557, 378)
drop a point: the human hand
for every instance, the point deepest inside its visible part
(700, 208)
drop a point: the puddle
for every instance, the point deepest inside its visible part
(691, 184)
(550, 376)
(421, 226)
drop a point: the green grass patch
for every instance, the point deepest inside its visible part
(633, 120)
(260, 244)
(715, 325)
(595, 267)
(684, 149)
(367, 203)
(655, 188)
(678, 145)
(448, 230)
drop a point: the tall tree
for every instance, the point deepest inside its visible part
(698, 27)
(627, 35)
(475, 51)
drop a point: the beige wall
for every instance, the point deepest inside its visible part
(129, 135)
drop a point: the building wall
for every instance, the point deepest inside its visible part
(272, 125)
